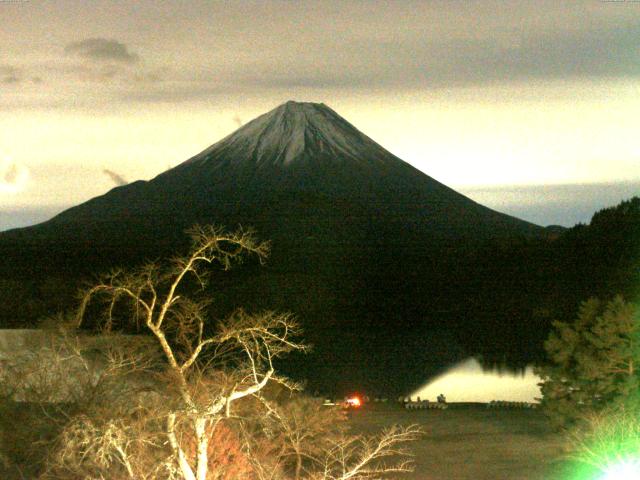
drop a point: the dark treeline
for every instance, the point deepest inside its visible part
(382, 315)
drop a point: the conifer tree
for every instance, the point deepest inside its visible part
(594, 361)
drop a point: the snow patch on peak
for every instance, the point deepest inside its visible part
(293, 129)
(294, 132)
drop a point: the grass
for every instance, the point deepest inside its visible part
(472, 442)
(460, 443)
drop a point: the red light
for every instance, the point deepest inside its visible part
(353, 402)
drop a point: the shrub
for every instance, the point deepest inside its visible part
(593, 361)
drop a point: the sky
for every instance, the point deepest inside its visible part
(529, 107)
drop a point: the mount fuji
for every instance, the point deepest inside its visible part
(372, 254)
(296, 164)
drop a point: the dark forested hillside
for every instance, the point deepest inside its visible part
(403, 309)
(600, 259)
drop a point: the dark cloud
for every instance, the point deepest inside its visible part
(102, 49)
(438, 44)
(592, 53)
(198, 89)
(444, 62)
(311, 77)
(115, 177)
(13, 175)
(95, 72)
(109, 72)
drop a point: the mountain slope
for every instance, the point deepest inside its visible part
(279, 162)
(366, 249)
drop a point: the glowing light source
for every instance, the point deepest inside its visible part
(623, 470)
(353, 402)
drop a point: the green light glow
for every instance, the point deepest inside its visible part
(607, 445)
(624, 470)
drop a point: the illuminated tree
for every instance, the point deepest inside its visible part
(302, 430)
(594, 361)
(205, 375)
(200, 408)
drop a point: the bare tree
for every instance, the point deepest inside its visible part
(203, 412)
(58, 378)
(240, 353)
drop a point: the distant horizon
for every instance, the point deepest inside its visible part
(565, 204)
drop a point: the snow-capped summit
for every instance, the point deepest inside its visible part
(296, 132)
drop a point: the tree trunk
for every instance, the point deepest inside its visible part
(298, 464)
(202, 460)
(185, 468)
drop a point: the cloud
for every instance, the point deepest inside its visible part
(13, 176)
(115, 177)
(102, 72)
(111, 62)
(10, 175)
(508, 56)
(151, 76)
(349, 46)
(11, 79)
(101, 50)
(9, 74)
(196, 88)
(609, 51)
(8, 70)
(176, 92)
(441, 45)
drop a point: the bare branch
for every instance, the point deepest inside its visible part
(366, 458)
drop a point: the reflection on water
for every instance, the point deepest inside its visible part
(469, 382)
